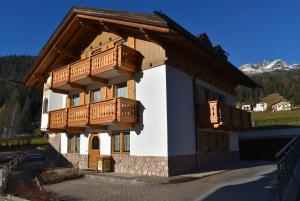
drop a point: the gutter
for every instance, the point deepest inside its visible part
(196, 120)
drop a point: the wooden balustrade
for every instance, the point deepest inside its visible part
(126, 110)
(103, 112)
(118, 61)
(115, 111)
(246, 116)
(60, 77)
(215, 114)
(236, 118)
(79, 70)
(78, 116)
(57, 119)
(119, 111)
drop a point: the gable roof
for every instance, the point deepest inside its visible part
(133, 22)
(272, 99)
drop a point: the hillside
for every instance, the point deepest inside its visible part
(19, 105)
(284, 82)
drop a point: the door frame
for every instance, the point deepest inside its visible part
(90, 147)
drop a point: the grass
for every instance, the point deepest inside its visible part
(23, 141)
(269, 118)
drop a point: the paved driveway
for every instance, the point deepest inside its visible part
(257, 182)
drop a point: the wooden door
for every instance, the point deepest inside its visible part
(94, 151)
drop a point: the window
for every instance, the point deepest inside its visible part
(95, 96)
(121, 143)
(95, 142)
(122, 91)
(74, 101)
(73, 143)
(45, 106)
(126, 142)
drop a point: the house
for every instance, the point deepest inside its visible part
(282, 105)
(247, 107)
(140, 90)
(274, 102)
(260, 107)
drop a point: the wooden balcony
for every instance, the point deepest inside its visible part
(78, 116)
(121, 112)
(119, 61)
(100, 68)
(57, 120)
(217, 115)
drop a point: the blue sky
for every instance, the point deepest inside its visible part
(250, 31)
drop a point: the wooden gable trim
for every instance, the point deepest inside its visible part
(126, 23)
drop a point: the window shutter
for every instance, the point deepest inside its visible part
(87, 97)
(81, 98)
(131, 89)
(110, 92)
(68, 102)
(131, 42)
(103, 93)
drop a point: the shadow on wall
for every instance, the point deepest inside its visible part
(264, 187)
(55, 159)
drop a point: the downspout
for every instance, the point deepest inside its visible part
(196, 120)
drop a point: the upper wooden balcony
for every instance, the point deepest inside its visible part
(218, 115)
(119, 112)
(99, 68)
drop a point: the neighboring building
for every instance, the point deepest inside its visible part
(274, 102)
(247, 107)
(140, 89)
(282, 106)
(260, 107)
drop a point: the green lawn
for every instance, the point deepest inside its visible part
(269, 118)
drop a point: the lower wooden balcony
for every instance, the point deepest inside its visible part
(119, 112)
(57, 120)
(218, 115)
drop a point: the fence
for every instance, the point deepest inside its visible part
(5, 169)
(275, 122)
(287, 159)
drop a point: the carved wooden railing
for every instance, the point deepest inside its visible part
(215, 114)
(60, 76)
(79, 70)
(103, 112)
(126, 110)
(114, 110)
(78, 116)
(246, 119)
(237, 118)
(58, 119)
(119, 57)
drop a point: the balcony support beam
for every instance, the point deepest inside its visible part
(100, 127)
(98, 79)
(78, 86)
(60, 91)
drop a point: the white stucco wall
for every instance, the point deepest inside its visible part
(55, 101)
(64, 143)
(84, 144)
(180, 109)
(105, 144)
(234, 142)
(150, 138)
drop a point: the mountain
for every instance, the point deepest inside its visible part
(284, 82)
(267, 66)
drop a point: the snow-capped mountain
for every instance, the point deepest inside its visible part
(267, 66)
